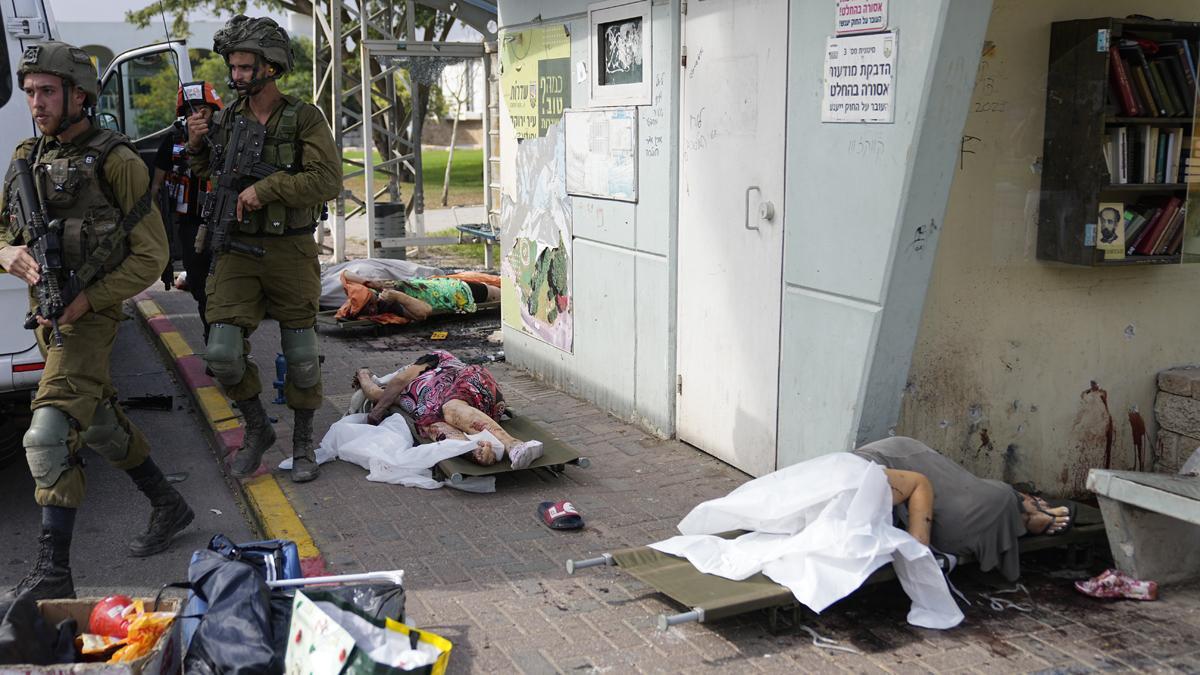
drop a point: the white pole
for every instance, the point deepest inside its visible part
(368, 127)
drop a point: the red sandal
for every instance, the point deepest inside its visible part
(560, 515)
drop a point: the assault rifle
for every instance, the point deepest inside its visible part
(57, 285)
(236, 165)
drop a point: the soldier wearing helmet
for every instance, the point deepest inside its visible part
(278, 213)
(180, 194)
(92, 181)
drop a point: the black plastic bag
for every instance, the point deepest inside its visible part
(28, 639)
(236, 635)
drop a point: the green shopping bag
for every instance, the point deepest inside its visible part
(330, 635)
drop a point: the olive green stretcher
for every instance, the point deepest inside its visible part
(329, 317)
(711, 597)
(555, 456)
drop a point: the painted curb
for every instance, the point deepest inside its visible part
(270, 508)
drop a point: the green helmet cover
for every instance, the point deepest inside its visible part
(66, 61)
(260, 36)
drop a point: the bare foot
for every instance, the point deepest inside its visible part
(1041, 518)
(354, 384)
(483, 453)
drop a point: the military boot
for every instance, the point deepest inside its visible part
(51, 574)
(260, 436)
(304, 457)
(170, 514)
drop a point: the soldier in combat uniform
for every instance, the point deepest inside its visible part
(113, 239)
(277, 213)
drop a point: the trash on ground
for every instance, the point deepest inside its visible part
(150, 402)
(216, 512)
(1114, 583)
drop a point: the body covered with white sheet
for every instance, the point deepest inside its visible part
(820, 528)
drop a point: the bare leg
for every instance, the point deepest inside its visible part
(417, 310)
(473, 420)
(483, 454)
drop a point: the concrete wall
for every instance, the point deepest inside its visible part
(865, 205)
(1009, 347)
(623, 276)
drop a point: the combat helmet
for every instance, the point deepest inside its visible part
(66, 61)
(260, 36)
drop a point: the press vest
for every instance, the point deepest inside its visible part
(69, 178)
(282, 149)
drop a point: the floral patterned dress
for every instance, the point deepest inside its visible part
(450, 380)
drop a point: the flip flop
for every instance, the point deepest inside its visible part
(561, 515)
(1038, 506)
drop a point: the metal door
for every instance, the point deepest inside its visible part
(731, 214)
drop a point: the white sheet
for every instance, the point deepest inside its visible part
(820, 528)
(387, 452)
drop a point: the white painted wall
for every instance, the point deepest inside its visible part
(623, 283)
(1008, 344)
(855, 273)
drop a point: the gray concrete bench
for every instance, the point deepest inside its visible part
(1152, 521)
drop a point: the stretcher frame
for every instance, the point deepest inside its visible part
(328, 318)
(710, 597)
(555, 457)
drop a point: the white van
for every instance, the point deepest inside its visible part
(25, 22)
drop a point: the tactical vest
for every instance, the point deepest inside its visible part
(69, 178)
(282, 150)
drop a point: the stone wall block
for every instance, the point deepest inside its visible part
(1183, 381)
(1180, 414)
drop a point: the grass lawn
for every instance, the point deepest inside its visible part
(466, 177)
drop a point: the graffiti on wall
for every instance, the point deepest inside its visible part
(535, 236)
(535, 212)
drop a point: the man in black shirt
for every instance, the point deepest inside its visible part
(184, 192)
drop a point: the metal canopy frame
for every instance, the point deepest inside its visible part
(378, 97)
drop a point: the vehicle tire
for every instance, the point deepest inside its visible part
(12, 431)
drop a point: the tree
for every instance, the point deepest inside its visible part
(432, 24)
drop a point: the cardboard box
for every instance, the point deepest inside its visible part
(165, 659)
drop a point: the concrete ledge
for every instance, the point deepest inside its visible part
(272, 513)
(1153, 530)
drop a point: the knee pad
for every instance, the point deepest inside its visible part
(301, 349)
(46, 448)
(224, 353)
(106, 436)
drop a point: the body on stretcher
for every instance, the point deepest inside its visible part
(710, 597)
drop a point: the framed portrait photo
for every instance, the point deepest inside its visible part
(619, 52)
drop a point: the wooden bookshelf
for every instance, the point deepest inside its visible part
(1084, 112)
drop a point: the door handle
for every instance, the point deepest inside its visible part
(766, 210)
(752, 188)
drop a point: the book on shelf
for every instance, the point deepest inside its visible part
(1154, 233)
(1152, 215)
(1124, 88)
(1144, 154)
(1145, 98)
(1172, 100)
(1173, 71)
(1156, 98)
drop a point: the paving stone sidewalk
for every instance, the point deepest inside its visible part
(483, 572)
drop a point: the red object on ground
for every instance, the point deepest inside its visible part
(109, 616)
(1117, 584)
(560, 515)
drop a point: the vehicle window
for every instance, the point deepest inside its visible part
(108, 107)
(141, 94)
